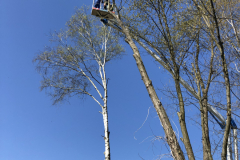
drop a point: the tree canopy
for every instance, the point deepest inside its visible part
(196, 41)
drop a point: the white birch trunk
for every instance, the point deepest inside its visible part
(104, 108)
(105, 118)
(105, 114)
(106, 131)
(229, 148)
(235, 141)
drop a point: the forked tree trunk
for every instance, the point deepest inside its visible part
(181, 114)
(220, 46)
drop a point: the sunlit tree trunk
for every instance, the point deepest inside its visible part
(170, 135)
(104, 108)
(106, 129)
(105, 117)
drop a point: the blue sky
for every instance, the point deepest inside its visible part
(32, 129)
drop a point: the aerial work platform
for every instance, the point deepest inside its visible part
(102, 13)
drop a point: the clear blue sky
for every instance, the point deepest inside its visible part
(32, 129)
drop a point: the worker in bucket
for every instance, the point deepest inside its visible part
(98, 4)
(106, 6)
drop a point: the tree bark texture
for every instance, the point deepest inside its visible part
(105, 122)
(170, 135)
(235, 140)
(106, 131)
(181, 116)
(205, 130)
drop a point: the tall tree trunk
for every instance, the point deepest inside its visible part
(228, 123)
(105, 122)
(104, 108)
(220, 46)
(205, 129)
(216, 36)
(235, 141)
(203, 102)
(170, 135)
(181, 114)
